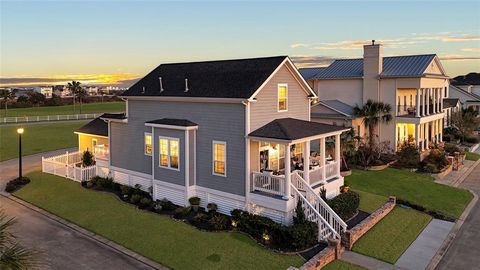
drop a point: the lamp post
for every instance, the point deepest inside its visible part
(20, 132)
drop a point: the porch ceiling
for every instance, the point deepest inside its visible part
(290, 129)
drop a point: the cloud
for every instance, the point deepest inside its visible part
(457, 57)
(120, 79)
(462, 38)
(299, 45)
(471, 49)
(310, 61)
(446, 36)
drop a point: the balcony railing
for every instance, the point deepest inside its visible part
(101, 151)
(403, 110)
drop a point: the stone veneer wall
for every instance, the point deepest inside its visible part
(324, 257)
(351, 236)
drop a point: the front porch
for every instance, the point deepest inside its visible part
(424, 134)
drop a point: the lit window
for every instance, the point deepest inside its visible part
(282, 97)
(169, 153)
(148, 144)
(219, 158)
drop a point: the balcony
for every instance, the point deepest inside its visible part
(411, 111)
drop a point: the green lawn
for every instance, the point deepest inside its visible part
(472, 156)
(389, 239)
(414, 187)
(342, 265)
(97, 107)
(38, 138)
(370, 202)
(171, 243)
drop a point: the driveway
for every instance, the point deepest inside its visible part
(464, 251)
(62, 247)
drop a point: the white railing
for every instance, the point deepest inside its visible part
(68, 166)
(273, 184)
(101, 151)
(316, 175)
(23, 119)
(331, 170)
(335, 224)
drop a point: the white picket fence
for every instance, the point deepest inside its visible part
(24, 119)
(68, 165)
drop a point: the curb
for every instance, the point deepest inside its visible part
(453, 233)
(91, 235)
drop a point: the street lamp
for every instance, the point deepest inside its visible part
(20, 132)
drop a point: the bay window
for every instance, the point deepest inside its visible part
(169, 153)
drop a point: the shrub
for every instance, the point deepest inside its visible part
(299, 217)
(16, 183)
(434, 162)
(218, 223)
(87, 159)
(212, 207)
(105, 183)
(200, 218)
(194, 201)
(89, 184)
(472, 139)
(157, 206)
(145, 202)
(181, 212)
(167, 205)
(126, 190)
(450, 149)
(135, 199)
(10, 187)
(408, 156)
(345, 204)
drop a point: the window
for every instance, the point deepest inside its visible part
(281, 157)
(282, 97)
(148, 144)
(219, 158)
(169, 153)
(398, 107)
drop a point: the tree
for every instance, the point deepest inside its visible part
(81, 94)
(36, 98)
(466, 121)
(7, 95)
(74, 86)
(87, 158)
(373, 113)
(13, 255)
(347, 147)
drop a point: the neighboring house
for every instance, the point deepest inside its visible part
(469, 82)
(236, 133)
(450, 106)
(91, 90)
(94, 137)
(467, 99)
(47, 91)
(414, 86)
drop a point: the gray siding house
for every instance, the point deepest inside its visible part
(236, 133)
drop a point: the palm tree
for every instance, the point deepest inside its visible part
(7, 95)
(81, 94)
(373, 113)
(14, 256)
(74, 87)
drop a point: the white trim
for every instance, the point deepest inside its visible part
(302, 80)
(213, 158)
(169, 185)
(195, 157)
(109, 127)
(220, 193)
(286, 97)
(114, 120)
(145, 143)
(267, 80)
(134, 173)
(171, 126)
(247, 153)
(187, 166)
(87, 134)
(188, 99)
(153, 154)
(168, 151)
(299, 140)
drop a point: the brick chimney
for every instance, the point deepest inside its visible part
(372, 68)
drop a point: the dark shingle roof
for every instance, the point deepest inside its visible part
(119, 116)
(308, 73)
(293, 129)
(450, 102)
(173, 122)
(396, 66)
(95, 127)
(214, 79)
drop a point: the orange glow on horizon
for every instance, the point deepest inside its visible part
(86, 79)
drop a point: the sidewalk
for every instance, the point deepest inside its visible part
(366, 262)
(453, 178)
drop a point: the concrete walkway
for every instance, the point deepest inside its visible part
(366, 261)
(454, 176)
(422, 250)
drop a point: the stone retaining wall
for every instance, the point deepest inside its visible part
(324, 257)
(351, 236)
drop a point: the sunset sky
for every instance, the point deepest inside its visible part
(115, 42)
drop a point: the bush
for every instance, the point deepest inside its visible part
(472, 139)
(105, 183)
(194, 201)
(218, 223)
(126, 190)
(200, 218)
(450, 149)
(434, 162)
(181, 212)
(135, 199)
(168, 205)
(16, 183)
(212, 207)
(145, 202)
(157, 207)
(89, 184)
(408, 156)
(10, 187)
(87, 159)
(345, 204)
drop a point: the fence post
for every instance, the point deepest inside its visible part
(43, 166)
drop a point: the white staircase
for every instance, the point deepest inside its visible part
(316, 209)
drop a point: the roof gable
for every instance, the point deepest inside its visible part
(239, 78)
(95, 127)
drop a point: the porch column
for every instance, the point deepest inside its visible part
(441, 131)
(322, 158)
(417, 135)
(439, 100)
(306, 162)
(427, 134)
(427, 100)
(288, 162)
(434, 100)
(337, 153)
(442, 94)
(423, 101)
(418, 104)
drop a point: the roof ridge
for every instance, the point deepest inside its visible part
(226, 60)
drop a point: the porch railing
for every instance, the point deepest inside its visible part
(330, 170)
(273, 184)
(67, 165)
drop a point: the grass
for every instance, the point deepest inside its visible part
(370, 202)
(342, 265)
(472, 156)
(174, 244)
(97, 107)
(414, 187)
(37, 138)
(389, 239)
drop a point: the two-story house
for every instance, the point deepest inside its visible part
(413, 85)
(236, 133)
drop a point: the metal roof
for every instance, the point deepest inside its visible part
(396, 66)
(338, 106)
(308, 73)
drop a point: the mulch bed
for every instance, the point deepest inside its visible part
(359, 217)
(308, 254)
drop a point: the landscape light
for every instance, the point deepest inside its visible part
(20, 131)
